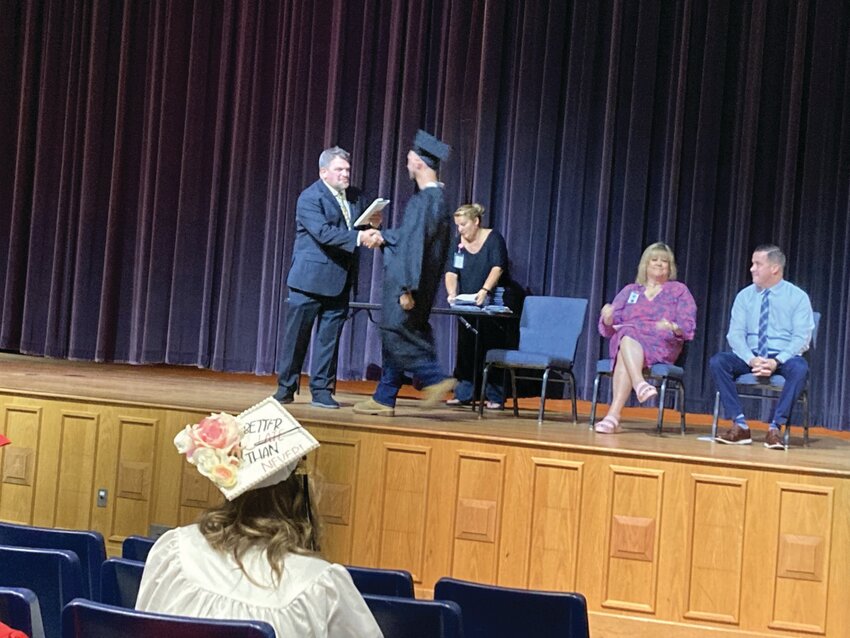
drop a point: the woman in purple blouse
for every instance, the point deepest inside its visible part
(648, 322)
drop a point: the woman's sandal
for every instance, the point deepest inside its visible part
(608, 425)
(493, 405)
(645, 391)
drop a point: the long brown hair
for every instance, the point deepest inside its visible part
(280, 519)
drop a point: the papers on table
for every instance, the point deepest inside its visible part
(465, 300)
(375, 207)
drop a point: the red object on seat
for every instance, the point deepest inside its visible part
(5, 630)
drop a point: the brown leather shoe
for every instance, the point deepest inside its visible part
(736, 435)
(433, 394)
(370, 406)
(773, 440)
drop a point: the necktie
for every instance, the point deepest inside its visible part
(340, 197)
(764, 312)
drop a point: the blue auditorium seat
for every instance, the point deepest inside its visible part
(411, 618)
(382, 582)
(88, 545)
(19, 610)
(53, 575)
(87, 619)
(137, 547)
(119, 582)
(490, 611)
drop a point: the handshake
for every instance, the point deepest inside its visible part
(371, 238)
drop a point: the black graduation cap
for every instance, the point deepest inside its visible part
(430, 149)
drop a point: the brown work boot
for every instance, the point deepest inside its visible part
(773, 440)
(736, 435)
(370, 406)
(434, 394)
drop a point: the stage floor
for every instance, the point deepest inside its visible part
(185, 388)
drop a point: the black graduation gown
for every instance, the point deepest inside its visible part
(414, 258)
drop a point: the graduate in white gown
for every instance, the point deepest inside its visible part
(255, 556)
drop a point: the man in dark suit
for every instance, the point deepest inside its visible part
(323, 265)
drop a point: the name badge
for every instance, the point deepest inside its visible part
(633, 297)
(458, 262)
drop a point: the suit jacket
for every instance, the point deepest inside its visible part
(325, 251)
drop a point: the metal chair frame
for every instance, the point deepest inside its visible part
(770, 391)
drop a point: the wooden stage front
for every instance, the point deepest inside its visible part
(665, 535)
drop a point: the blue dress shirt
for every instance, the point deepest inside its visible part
(789, 326)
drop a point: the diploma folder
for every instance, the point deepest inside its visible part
(375, 207)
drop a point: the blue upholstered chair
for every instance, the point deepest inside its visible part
(411, 618)
(496, 612)
(751, 387)
(119, 582)
(88, 619)
(382, 582)
(137, 547)
(88, 545)
(665, 376)
(549, 330)
(53, 575)
(19, 610)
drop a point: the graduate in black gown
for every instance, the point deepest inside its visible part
(414, 259)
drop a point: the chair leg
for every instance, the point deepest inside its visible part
(680, 393)
(659, 426)
(543, 396)
(716, 415)
(573, 395)
(483, 386)
(596, 380)
(805, 418)
(513, 389)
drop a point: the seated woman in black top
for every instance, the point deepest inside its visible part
(476, 267)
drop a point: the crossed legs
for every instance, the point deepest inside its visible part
(628, 376)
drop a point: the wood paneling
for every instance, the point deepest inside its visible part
(407, 476)
(634, 517)
(478, 504)
(22, 425)
(77, 457)
(337, 463)
(555, 524)
(659, 544)
(802, 570)
(716, 548)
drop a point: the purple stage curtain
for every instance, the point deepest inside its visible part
(152, 153)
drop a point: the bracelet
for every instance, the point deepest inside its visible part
(487, 290)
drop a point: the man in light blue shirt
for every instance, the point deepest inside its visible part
(770, 328)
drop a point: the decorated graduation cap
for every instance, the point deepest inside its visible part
(430, 149)
(259, 448)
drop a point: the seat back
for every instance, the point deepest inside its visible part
(137, 547)
(88, 619)
(493, 612)
(19, 610)
(119, 582)
(87, 545)
(552, 325)
(53, 575)
(382, 582)
(411, 618)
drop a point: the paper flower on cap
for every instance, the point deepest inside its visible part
(260, 447)
(213, 447)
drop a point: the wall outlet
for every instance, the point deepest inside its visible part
(102, 495)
